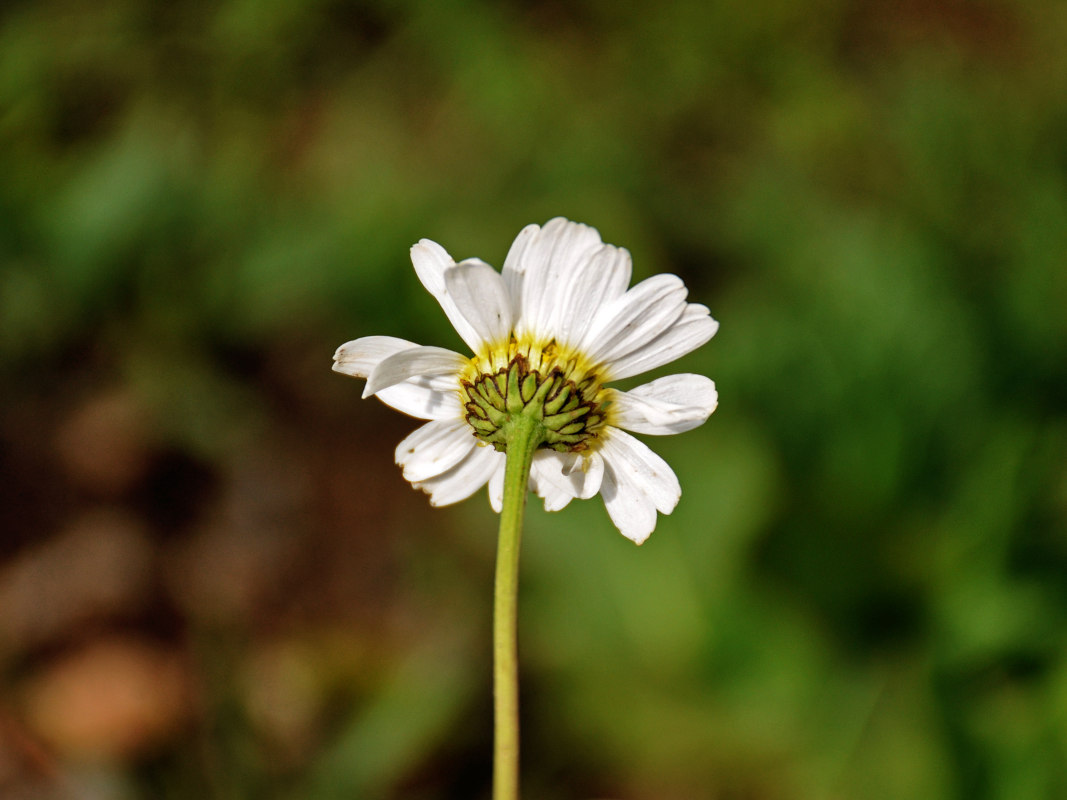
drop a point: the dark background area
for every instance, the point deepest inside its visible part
(214, 583)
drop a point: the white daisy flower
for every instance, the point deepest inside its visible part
(548, 333)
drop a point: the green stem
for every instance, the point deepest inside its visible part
(524, 434)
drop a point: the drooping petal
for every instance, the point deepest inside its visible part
(434, 449)
(539, 270)
(637, 483)
(410, 363)
(629, 322)
(672, 404)
(464, 479)
(692, 329)
(359, 357)
(480, 296)
(431, 261)
(425, 397)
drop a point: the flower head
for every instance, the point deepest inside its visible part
(548, 334)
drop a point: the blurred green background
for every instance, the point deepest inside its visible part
(214, 583)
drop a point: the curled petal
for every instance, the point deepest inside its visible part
(425, 397)
(410, 363)
(359, 357)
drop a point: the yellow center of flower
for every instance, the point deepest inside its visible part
(552, 383)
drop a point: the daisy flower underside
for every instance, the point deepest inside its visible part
(548, 333)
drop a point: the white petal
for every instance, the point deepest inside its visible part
(358, 358)
(625, 454)
(434, 448)
(584, 473)
(410, 363)
(672, 404)
(633, 514)
(425, 397)
(541, 262)
(556, 499)
(590, 475)
(431, 261)
(560, 478)
(464, 479)
(547, 480)
(496, 489)
(628, 323)
(694, 328)
(591, 284)
(480, 295)
(637, 483)
(513, 271)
